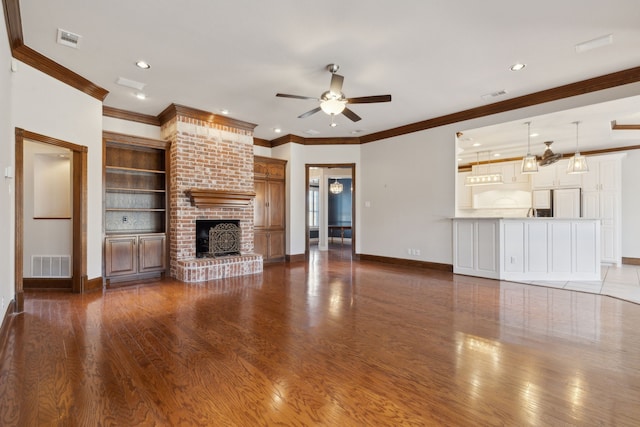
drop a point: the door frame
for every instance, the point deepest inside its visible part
(78, 211)
(307, 166)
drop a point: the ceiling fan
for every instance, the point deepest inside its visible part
(333, 101)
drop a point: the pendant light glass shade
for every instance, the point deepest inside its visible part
(335, 187)
(530, 161)
(578, 163)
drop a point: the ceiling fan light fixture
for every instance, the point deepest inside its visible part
(333, 106)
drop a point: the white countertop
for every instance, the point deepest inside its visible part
(515, 218)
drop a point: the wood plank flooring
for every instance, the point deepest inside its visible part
(329, 342)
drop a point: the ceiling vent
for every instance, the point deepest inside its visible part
(497, 94)
(67, 38)
(123, 81)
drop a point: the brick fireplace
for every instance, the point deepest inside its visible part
(210, 178)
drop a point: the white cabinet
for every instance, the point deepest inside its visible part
(555, 176)
(512, 173)
(527, 248)
(464, 198)
(601, 198)
(477, 247)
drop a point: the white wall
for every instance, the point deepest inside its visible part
(7, 286)
(408, 182)
(631, 204)
(409, 196)
(298, 156)
(131, 128)
(46, 106)
(43, 236)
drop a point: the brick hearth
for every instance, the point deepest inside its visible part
(206, 154)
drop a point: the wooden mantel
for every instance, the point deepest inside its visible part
(206, 198)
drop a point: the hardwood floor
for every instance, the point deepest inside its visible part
(328, 342)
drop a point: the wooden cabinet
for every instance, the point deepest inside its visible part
(134, 255)
(269, 208)
(135, 206)
(601, 198)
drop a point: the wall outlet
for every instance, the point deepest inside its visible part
(417, 252)
(125, 218)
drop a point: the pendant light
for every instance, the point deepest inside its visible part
(529, 162)
(578, 163)
(483, 179)
(335, 187)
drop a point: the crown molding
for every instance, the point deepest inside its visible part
(175, 110)
(607, 81)
(131, 116)
(14, 23)
(35, 59)
(261, 142)
(616, 126)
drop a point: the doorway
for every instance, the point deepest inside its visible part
(78, 210)
(330, 215)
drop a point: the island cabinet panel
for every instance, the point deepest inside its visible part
(561, 250)
(477, 250)
(525, 249)
(536, 247)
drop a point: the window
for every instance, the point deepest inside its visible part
(314, 206)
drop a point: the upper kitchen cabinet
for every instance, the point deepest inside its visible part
(512, 173)
(555, 176)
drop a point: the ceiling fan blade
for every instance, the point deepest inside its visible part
(369, 99)
(284, 95)
(308, 113)
(336, 84)
(351, 115)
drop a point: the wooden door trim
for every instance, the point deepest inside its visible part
(79, 211)
(352, 166)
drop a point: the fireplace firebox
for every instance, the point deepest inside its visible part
(217, 237)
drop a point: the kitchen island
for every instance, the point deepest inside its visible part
(525, 249)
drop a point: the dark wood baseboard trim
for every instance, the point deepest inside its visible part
(296, 258)
(47, 283)
(94, 284)
(7, 321)
(631, 261)
(406, 262)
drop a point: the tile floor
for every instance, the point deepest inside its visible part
(619, 282)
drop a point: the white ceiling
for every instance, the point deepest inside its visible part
(434, 57)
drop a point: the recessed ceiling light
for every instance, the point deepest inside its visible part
(534, 134)
(517, 67)
(476, 144)
(333, 124)
(496, 154)
(277, 130)
(141, 95)
(224, 111)
(143, 64)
